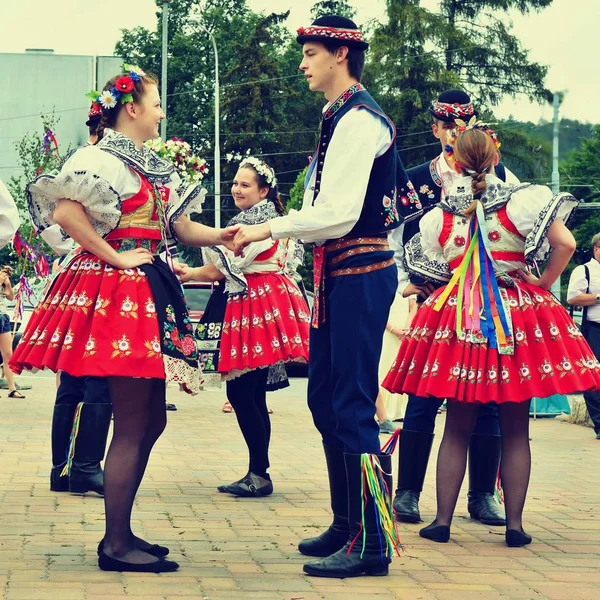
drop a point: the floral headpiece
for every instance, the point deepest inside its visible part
(461, 128)
(261, 168)
(122, 89)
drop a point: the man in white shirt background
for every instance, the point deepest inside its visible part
(584, 290)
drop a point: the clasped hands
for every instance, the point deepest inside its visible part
(237, 237)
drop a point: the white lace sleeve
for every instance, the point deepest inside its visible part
(532, 210)
(184, 199)
(91, 177)
(423, 253)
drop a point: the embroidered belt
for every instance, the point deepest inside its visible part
(322, 264)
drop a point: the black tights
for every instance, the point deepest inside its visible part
(248, 397)
(140, 419)
(515, 464)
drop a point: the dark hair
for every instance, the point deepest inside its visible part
(93, 129)
(356, 58)
(110, 115)
(261, 180)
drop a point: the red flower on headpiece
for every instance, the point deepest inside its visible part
(124, 84)
(301, 31)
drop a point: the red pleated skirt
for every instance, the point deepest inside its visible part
(550, 354)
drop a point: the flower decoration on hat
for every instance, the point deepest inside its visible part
(261, 168)
(121, 91)
(461, 127)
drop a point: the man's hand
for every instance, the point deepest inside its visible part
(227, 236)
(185, 274)
(424, 290)
(248, 234)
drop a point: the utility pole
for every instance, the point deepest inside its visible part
(163, 77)
(556, 101)
(217, 155)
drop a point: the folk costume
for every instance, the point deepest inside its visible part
(253, 325)
(96, 320)
(432, 181)
(487, 335)
(349, 207)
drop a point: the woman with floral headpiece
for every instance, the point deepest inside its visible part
(256, 320)
(493, 332)
(116, 310)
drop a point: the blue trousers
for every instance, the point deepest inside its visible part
(344, 359)
(73, 390)
(421, 413)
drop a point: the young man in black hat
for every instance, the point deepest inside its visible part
(349, 207)
(431, 180)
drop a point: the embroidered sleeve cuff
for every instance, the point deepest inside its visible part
(419, 264)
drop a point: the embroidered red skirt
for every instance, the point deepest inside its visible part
(550, 354)
(101, 321)
(267, 325)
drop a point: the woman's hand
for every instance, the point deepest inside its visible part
(399, 333)
(248, 234)
(133, 258)
(186, 274)
(530, 278)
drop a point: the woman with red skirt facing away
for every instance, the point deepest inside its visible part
(256, 321)
(493, 332)
(116, 310)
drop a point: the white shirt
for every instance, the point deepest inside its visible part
(578, 285)
(359, 138)
(448, 176)
(9, 216)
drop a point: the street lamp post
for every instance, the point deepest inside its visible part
(556, 101)
(217, 154)
(164, 60)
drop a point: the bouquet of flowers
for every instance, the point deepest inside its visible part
(190, 168)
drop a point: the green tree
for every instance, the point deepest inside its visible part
(341, 8)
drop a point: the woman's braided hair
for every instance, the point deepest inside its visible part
(110, 115)
(273, 195)
(475, 153)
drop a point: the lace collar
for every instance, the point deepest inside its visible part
(261, 212)
(144, 161)
(497, 193)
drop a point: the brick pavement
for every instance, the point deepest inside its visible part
(239, 548)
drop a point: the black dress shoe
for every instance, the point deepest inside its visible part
(483, 508)
(436, 533)
(516, 538)
(250, 486)
(154, 549)
(106, 563)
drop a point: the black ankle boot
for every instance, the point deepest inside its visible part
(86, 474)
(368, 550)
(336, 535)
(484, 460)
(62, 423)
(516, 539)
(414, 449)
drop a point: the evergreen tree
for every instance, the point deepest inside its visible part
(341, 8)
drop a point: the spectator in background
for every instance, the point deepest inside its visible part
(7, 293)
(584, 290)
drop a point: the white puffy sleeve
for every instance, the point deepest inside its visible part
(423, 253)
(9, 216)
(233, 266)
(184, 199)
(532, 209)
(90, 176)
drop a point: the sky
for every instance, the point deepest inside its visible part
(563, 36)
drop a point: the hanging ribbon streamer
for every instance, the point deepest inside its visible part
(73, 440)
(49, 147)
(479, 303)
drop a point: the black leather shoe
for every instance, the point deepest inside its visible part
(106, 563)
(343, 564)
(406, 506)
(154, 549)
(516, 538)
(484, 508)
(248, 487)
(86, 478)
(436, 533)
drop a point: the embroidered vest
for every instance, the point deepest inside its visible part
(140, 218)
(505, 241)
(388, 181)
(428, 185)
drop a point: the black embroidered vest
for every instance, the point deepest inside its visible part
(388, 181)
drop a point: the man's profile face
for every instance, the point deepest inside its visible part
(441, 130)
(318, 65)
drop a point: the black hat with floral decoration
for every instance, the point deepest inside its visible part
(333, 29)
